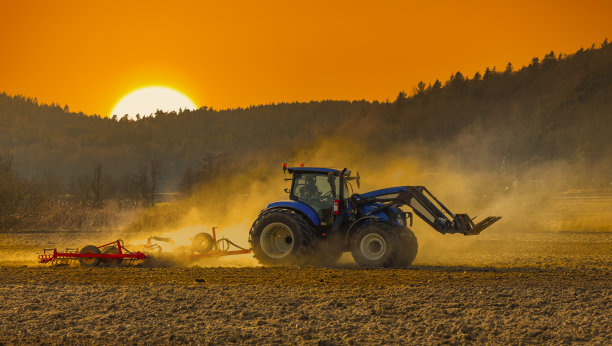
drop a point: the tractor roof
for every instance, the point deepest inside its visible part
(316, 170)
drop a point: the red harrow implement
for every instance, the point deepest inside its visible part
(90, 256)
(203, 245)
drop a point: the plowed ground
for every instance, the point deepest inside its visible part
(547, 288)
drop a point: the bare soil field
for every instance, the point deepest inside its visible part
(538, 288)
(503, 286)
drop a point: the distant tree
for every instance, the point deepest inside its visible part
(186, 183)
(155, 180)
(477, 76)
(437, 85)
(96, 186)
(549, 58)
(147, 181)
(421, 88)
(509, 68)
(456, 80)
(401, 97)
(50, 185)
(142, 183)
(80, 189)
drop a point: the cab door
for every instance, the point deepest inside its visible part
(316, 191)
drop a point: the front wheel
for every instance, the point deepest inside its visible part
(408, 247)
(375, 245)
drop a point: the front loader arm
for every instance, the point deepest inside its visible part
(426, 206)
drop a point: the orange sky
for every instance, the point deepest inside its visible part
(88, 54)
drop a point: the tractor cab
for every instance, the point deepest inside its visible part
(320, 189)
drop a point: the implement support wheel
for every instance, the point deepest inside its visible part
(202, 243)
(89, 261)
(110, 261)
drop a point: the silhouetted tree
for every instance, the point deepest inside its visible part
(96, 185)
(437, 85)
(401, 97)
(187, 181)
(155, 179)
(421, 88)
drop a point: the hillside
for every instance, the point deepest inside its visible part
(556, 109)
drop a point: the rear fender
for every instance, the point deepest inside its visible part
(297, 206)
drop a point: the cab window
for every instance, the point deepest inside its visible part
(312, 189)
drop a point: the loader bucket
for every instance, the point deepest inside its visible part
(464, 224)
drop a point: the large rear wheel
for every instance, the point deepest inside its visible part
(281, 236)
(89, 261)
(375, 245)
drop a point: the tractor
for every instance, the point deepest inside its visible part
(321, 220)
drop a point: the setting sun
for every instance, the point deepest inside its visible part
(148, 100)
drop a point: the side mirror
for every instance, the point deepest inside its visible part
(331, 179)
(357, 177)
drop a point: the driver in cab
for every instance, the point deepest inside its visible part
(310, 194)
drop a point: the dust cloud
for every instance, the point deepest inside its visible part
(534, 198)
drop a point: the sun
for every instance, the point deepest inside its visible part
(148, 100)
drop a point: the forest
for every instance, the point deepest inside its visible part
(557, 109)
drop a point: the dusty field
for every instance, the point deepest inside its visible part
(555, 290)
(503, 286)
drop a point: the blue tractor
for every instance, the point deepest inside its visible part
(321, 220)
